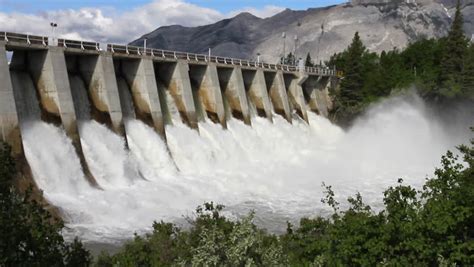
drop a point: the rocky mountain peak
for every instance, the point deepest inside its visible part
(382, 25)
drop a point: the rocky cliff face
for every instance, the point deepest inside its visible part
(320, 31)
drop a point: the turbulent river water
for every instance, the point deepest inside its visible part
(275, 168)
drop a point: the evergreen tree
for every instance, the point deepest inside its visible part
(453, 57)
(290, 59)
(351, 86)
(468, 73)
(309, 61)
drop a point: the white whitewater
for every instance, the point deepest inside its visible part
(276, 169)
(106, 156)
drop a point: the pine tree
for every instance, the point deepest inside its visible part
(289, 59)
(468, 73)
(351, 86)
(309, 61)
(453, 57)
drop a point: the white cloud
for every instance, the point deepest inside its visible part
(108, 25)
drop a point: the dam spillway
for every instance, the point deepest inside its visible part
(75, 81)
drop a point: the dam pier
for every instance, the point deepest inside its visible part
(64, 82)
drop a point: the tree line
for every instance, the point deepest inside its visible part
(439, 69)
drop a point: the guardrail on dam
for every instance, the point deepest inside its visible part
(72, 81)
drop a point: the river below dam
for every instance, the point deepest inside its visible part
(276, 169)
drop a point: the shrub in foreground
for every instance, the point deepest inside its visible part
(29, 235)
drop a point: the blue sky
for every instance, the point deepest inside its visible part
(224, 6)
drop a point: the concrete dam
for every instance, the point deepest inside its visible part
(108, 129)
(73, 81)
(117, 137)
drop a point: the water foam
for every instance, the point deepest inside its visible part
(276, 169)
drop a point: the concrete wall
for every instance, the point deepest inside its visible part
(99, 74)
(232, 84)
(175, 77)
(140, 75)
(257, 92)
(277, 91)
(207, 80)
(294, 84)
(9, 128)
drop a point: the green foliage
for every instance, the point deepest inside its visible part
(468, 73)
(430, 227)
(452, 66)
(29, 235)
(439, 69)
(212, 240)
(290, 59)
(309, 61)
(350, 93)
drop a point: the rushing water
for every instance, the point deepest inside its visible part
(274, 168)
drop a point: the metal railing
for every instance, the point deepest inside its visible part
(79, 44)
(164, 54)
(192, 57)
(24, 38)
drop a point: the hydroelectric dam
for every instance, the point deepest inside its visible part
(117, 137)
(108, 129)
(77, 80)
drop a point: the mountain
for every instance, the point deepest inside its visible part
(382, 24)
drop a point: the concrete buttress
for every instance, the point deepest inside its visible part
(9, 128)
(257, 92)
(278, 95)
(176, 78)
(140, 74)
(316, 90)
(295, 93)
(209, 91)
(233, 87)
(48, 69)
(99, 74)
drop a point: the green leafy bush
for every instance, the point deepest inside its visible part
(29, 235)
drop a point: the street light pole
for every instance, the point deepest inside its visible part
(294, 51)
(53, 27)
(283, 35)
